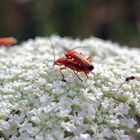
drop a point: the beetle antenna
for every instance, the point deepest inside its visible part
(53, 51)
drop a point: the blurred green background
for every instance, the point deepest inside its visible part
(118, 20)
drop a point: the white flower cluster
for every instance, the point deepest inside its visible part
(35, 104)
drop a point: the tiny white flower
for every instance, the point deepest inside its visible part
(5, 125)
(125, 137)
(131, 123)
(25, 136)
(83, 137)
(124, 108)
(128, 122)
(68, 126)
(44, 98)
(35, 120)
(13, 138)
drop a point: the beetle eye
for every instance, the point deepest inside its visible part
(91, 68)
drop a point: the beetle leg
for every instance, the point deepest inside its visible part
(77, 76)
(89, 58)
(63, 79)
(86, 75)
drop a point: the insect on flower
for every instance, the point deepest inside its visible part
(78, 57)
(70, 64)
(129, 78)
(8, 41)
(74, 65)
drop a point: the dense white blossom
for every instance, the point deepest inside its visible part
(35, 104)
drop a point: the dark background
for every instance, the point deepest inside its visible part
(117, 20)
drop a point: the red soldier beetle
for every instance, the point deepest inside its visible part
(8, 41)
(78, 57)
(73, 64)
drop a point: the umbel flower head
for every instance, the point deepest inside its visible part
(35, 104)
